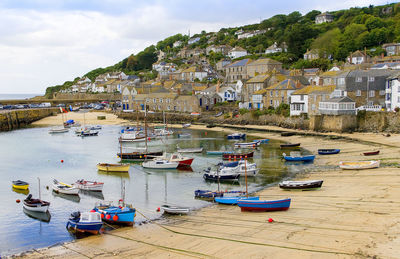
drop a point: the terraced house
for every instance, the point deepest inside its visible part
(306, 100)
(281, 92)
(237, 70)
(262, 66)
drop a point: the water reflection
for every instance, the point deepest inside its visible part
(41, 216)
(114, 174)
(24, 192)
(97, 195)
(73, 198)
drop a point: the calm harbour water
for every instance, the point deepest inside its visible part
(30, 153)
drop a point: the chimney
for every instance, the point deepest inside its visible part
(351, 58)
(217, 88)
(179, 91)
(193, 92)
(298, 85)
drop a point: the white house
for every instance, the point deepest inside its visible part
(298, 104)
(177, 43)
(392, 92)
(274, 48)
(193, 40)
(237, 52)
(227, 94)
(323, 17)
(245, 35)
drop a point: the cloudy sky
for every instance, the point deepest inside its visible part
(46, 42)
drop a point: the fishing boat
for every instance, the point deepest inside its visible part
(190, 150)
(207, 194)
(221, 175)
(186, 125)
(20, 185)
(301, 158)
(253, 144)
(88, 133)
(184, 135)
(236, 135)
(89, 185)
(242, 167)
(260, 205)
(233, 200)
(288, 134)
(160, 163)
(56, 130)
(97, 127)
(64, 188)
(183, 161)
(237, 156)
(290, 145)
(132, 136)
(175, 209)
(35, 204)
(120, 167)
(358, 165)
(371, 153)
(216, 152)
(328, 151)
(301, 185)
(139, 155)
(89, 222)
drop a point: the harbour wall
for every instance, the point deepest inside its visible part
(15, 119)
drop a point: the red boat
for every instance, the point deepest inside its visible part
(237, 156)
(372, 153)
(183, 161)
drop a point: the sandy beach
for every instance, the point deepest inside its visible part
(354, 215)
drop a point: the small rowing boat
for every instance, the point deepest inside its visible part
(60, 187)
(288, 134)
(35, 204)
(257, 205)
(301, 185)
(308, 158)
(233, 200)
(371, 153)
(175, 209)
(186, 125)
(328, 151)
(113, 167)
(20, 185)
(190, 150)
(89, 185)
(236, 135)
(207, 194)
(359, 165)
(237, 156)
(290, 145)
(253, 144)
(216, 152)
(58, 130)
(89, 222)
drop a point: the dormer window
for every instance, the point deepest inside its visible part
(358, 79)
(371, 79)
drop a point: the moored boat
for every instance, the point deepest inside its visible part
(358, 165)
(290, 145)
(89, 185)
(88, 133)
(237, 156)
(288, 134)
(190, 150)
(89, 222)
(233, 200)
(207, 194)
(121, 215)
(186, 125)
(371, 153)
(58, 130)
(328, 151)
(20, 185)
(160, 163)
(183, 161)
(175, 209)
(113, 167)
(236, 135)
(35, 204)
(221, 175)
(263, 141)
(301, 185)
(139, 156)
(252, 144)
(216, 152)
(241, 167)
(59, 187)
(260, 205)
(301, 158)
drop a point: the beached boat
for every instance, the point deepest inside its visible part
(301, 185)
(89, 222)
(237, 156)
(184, 135)
(290, 145)
(221, 175)
(186, 125)
(120, 215)
(207, 194)
(359, 165)
(56, 130)
(113, 167)
(263, 141)
(89, 185)
(20, 185)
(160, 163)
(252, 144)
(132, 136)
(259, 205)
(371, 153)
(301, 158)
(190, 150)
(216, 152)
(35, 204)
(183, 161)
(236, 135)
(288, 134)
(328, 151)
(175, 209)
(233, 200)
(64, 188)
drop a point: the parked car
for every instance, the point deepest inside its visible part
(45, 105)
(1, 107)
(33, 105)
(19, 106)
(99, 107)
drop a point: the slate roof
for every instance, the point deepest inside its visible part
(240, 63)
(287, 84)
(263, 61)
(343, 99)
(258, 79)
(379, 75)
(315, 89)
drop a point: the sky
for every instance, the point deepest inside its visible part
(47, 42)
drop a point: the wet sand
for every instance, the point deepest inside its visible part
(354, 215)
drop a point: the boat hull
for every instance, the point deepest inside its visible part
(328, 151)
(216, 177)
(37, 208)
(126, 216)
(219, 152)
(254, 205)
(70, 191)
(186, 162)
(236, 136)
(300, 185)
(206, 194)
(113, 167)
(175, 210)
(373, 153)
(248, 145)
(237, 156)
(359, 165)
(93, 227)
(20, 187)
(290, 145)
(299, 159)
(233, 200)
(89, 186)
(135, 156)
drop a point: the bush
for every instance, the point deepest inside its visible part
(256, 113)
(243, 111)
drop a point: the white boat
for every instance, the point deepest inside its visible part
(181, 160)
(221, 175)
(162, 132)
(241, 167)
(186, 125)
(35, 204)
(132, 136)
(89, 185)
(160, 163)
(58, 130)
(248, 144)
(189, 150)
(97, 127)
(358, 165)
(59, 187)
(175, 209)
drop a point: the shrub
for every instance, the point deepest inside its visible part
(243, 111)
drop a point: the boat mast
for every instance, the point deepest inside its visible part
(137, 117)
(245, 175)
(39, 188)
(145, 127)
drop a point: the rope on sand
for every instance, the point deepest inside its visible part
(248, 242)
(75, 251)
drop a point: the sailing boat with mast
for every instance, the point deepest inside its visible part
(60, 129)
(164, 130)
(36, 204)
(84, 131)
(139, 155)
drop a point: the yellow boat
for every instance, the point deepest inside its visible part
(20, 185)
(359, 165)
(113, 167)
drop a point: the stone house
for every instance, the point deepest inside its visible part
(323, 17)
(274, 48)
(253, 85)
(281, 92)
(358, 57)
(237, 70)
(128, 94)
(220, 65)
(311, 54)
(306, 100)
(262, 66)
(191, 73)
(224, 49)
(237, 52)
(337, 105)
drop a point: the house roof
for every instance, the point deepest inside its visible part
(379, 75)
(324, 14)
(240, 63)
(264, 61)
(343, 99)
(261, 91)
(315, 89)
(287, 84)
(312, 51)
(311, 70)
(258, 79)
(238, 49)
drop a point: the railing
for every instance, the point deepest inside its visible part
(370, 108)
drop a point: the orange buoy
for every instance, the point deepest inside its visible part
(18, 200)
(62, 161)
(158, 209)
(108, 216)
(102, 215)
(115, 217)
(270, 220)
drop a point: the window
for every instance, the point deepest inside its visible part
(168, 108)
(341, 81)
(371, 93)
(398, 99)
(270, 102)
(358, 93)
(161, 100)
(271, 93)
(147, 100)
(301, 97)
(382, 92)
(313, 107)
(276, 93)
(154, 100)
(358, 79)
(371, 79)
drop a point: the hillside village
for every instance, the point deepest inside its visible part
(195, 79)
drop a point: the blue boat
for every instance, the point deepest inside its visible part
(328, 151)
(89, 222)
(308, 158)
(236, 136)
(233, 200)
(219, 152)
(257, 205)
(262, 141)
(120, 215)
(207, 194)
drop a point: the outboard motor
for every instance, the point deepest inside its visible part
(29, 197)
(75, 215)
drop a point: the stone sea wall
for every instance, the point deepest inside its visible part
(16, 119)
